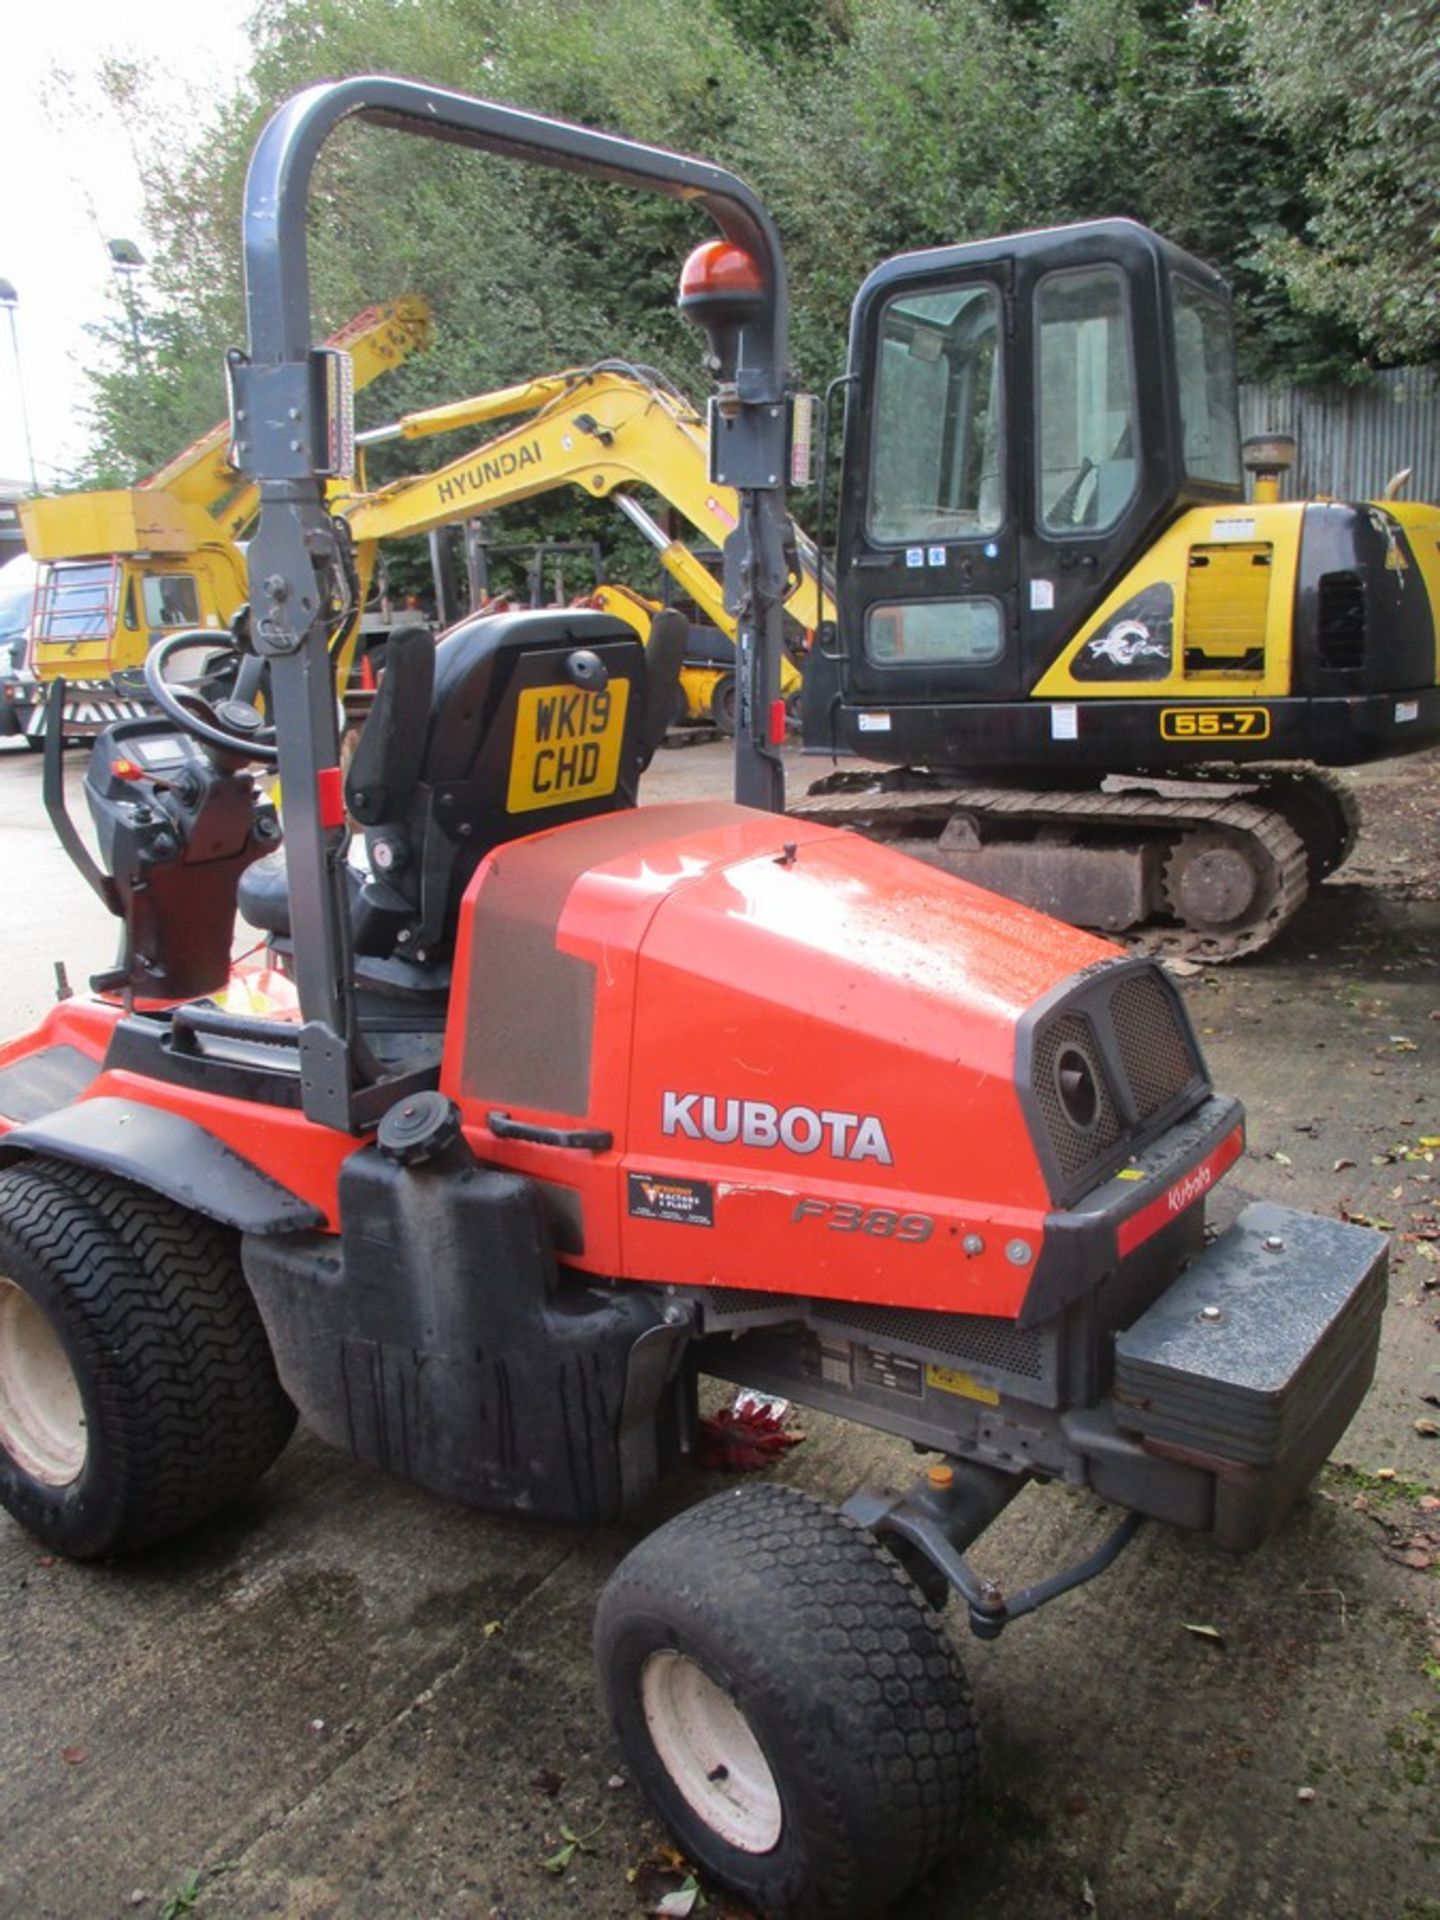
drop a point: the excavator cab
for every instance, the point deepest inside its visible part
(1047, 560)
(1026, 415)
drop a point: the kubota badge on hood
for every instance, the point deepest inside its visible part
(756, 1123)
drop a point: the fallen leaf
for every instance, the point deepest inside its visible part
(679, 1905)
(548, 1782)
(1341, 1165)
(574, 1843)
(742, 1442)
(1418, 1558)
(1202, 1632)
(660, 1873)
(74, 1756)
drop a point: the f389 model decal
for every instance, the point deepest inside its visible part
(756, 1123)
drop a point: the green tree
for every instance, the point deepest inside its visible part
(870, 126)
(1354, 87)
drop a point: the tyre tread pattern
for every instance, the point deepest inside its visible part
(191, 1411)
(876, 1705)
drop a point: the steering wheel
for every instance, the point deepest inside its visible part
(231, 726)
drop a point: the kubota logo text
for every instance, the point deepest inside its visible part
(1185, 1192)
(756, 1123)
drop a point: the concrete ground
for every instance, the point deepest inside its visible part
(345, 1699)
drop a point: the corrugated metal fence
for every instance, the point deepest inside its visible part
(1351, 440)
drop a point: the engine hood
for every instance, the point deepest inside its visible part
(760, 1015)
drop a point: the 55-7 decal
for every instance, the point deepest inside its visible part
(882, 1223)
(1214, 723)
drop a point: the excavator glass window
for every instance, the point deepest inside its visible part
(1085, 400)
(1205, 364)
(965, 633)
(935, 465)
(171, 600)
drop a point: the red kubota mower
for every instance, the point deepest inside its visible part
(562, 1102)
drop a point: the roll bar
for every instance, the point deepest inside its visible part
(280, 423)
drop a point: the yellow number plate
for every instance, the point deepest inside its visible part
(1214, 723)
(567, 745)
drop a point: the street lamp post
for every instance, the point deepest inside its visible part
(10, 300)
(127, 260)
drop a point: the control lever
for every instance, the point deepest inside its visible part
(53, 793)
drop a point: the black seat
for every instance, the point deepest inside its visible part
(510, 723)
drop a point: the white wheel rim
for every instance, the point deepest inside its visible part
(42, 1416)
(706, 1746)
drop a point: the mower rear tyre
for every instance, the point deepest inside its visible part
(787, 1703)
(137, 1391)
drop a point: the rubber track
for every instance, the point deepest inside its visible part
(861, 1654)
(1264, 783)
(1340, 793)
(194, 1412)
(886, 814)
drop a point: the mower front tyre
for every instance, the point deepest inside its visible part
(137, 1391)
(791, 1709)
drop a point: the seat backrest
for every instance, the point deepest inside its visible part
(534, 719)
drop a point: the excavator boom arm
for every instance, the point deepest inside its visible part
(604, 430)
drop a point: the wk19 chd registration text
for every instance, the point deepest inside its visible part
(567, 744)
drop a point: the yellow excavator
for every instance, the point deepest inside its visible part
(605, 430)
(121, 567)
(1101, 678)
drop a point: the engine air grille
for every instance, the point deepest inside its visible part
(1153, 1049)
(963, 1336)
(731, 1300)
(1109, 1066)
(1340, 617)
(1074, 1146)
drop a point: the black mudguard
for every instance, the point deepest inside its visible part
(436, 1337)
(170, 1155)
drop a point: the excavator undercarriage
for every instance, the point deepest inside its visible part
(1204, 869)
